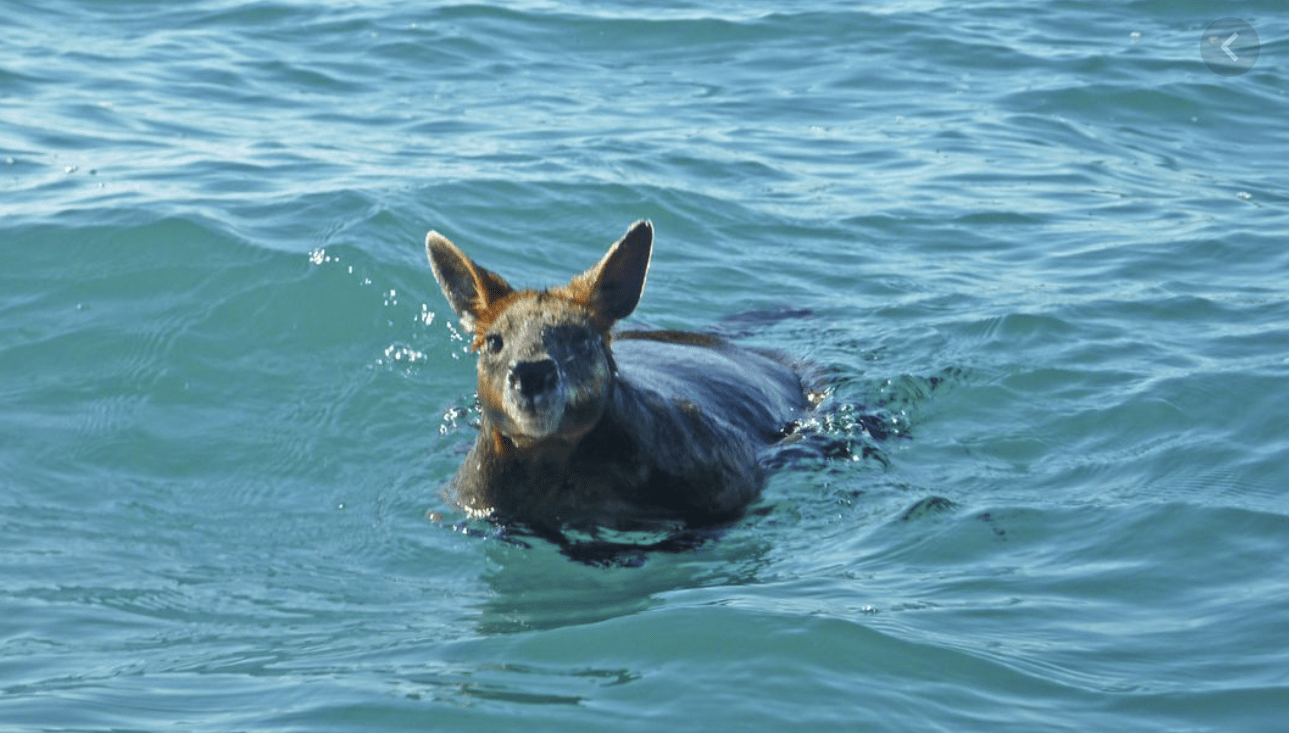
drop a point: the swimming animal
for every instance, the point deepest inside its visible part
(586, 426)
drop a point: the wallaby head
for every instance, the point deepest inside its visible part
(545, 369)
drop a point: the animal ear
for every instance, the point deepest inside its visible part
(613, 286)
(470, 289)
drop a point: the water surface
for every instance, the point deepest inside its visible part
(1040, 250)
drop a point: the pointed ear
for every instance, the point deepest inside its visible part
(470, 289)
(613, 286)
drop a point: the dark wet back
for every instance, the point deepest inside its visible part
(751, 390)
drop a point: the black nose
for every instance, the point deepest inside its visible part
(534, 377)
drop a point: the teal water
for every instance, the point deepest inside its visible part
(1041, 250)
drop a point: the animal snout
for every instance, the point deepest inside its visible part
(534, 377)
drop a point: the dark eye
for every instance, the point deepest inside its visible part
(493, 342)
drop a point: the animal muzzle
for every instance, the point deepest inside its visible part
(534, 400)
(534, 378)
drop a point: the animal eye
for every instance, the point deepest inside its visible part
(493, 342)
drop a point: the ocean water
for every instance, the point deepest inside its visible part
(1039, 248)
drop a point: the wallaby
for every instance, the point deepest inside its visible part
(582, 426)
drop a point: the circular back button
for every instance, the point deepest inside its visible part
(1229, 47)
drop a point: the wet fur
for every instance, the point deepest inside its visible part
(584, 427)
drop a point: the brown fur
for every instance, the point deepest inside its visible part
(582, 426)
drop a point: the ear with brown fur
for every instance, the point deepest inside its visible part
(470, 289)
(613, 286)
